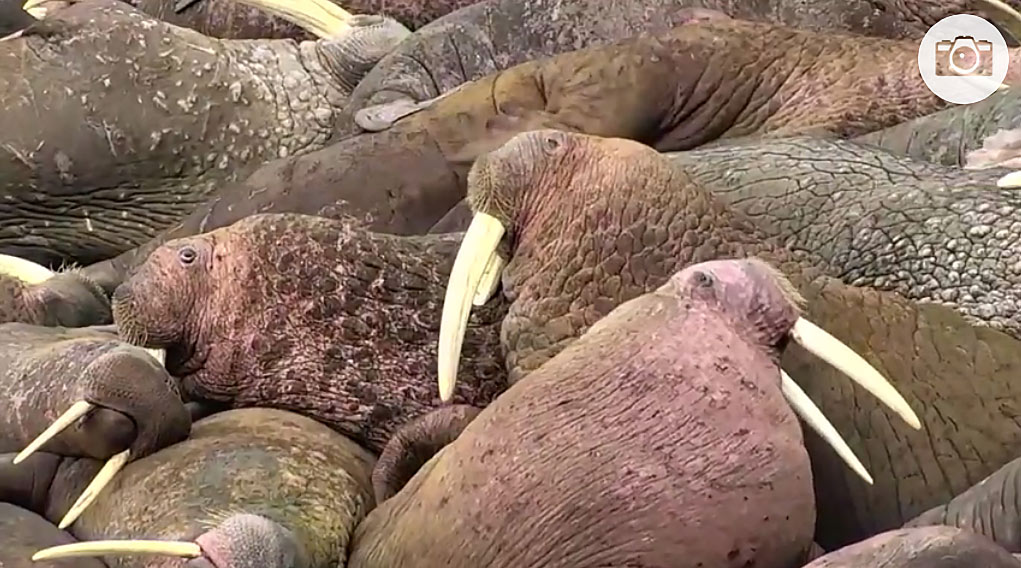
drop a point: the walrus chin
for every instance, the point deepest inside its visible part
(476, 272)
(33, 273)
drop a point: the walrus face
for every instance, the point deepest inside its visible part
(31, 293)
(153, 306)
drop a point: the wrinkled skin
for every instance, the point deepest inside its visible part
(310, 315)
(497, 34)
(934, 547)
(67, 299)
(619, 450)
(23, 532)
(44, 370)
(119, 124)
(670, 91)
(644, 218)
(253, 487)
(980, 135)
(926, 231)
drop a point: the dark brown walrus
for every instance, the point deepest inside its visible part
(23, 532)
(255, 488)
(31, 293)
(660, 438)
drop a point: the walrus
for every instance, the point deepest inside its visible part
(23, 532)
(31, 293)
(929, 547)
(698, 82)
(665, 436)
(252, 487)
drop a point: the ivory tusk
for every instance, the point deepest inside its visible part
(816, 420)
(490, 280)
(830, 349)
(473, 258)
(104, 547)
(102, 479)
(322, 18)
(160, 355)
(77, 410)
(1011, 180)
(1003, 14)
(36, 8)
(25, 270)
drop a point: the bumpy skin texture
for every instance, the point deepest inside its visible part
(120, 124)
(957, 136)
(934, 547)
(412, 13)
(302, 477)
(615, 219)
(311, 315)
(67, 299)
(496, 34)
(23, 532)
(44, 370)
(674, 91)
(620, 450)
(226, 19)
(926, 231)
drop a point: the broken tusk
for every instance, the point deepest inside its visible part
(473, 258)
(322, 18)
(830, 349)
(77, 410)
(25, 270)
(490, 280)
(1011, 180)
(102, 479)
(816, 420)
(104, 547)
(1003, 14)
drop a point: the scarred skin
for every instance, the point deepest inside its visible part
(119, 124)
(673, 91)
(925, 231)
(933, 547)
(44, 370)
(23, 532)
(618, 451)
(67, 299)
(310, 315)
(255, 487)
(561, 198)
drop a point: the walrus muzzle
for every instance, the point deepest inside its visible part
(476, 272)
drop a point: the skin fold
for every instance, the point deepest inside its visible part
(88, 175)
(311, 315)
(252, 487)
(619, 450)
(67, 299)
(927, 232)
(595, 222)
(23, 532)
(932, 547)
(673, 91)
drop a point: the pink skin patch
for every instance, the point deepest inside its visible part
(217, 552)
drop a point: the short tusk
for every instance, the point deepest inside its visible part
(1010, 181)
(25, 270)
(490, 280)
(104, 547)
(160, 355)
(36, 8)
(322, 18)
(810, 413)
(102, 479)
(830, 349)
(473, 258)
(1003, 14)
(77, 410)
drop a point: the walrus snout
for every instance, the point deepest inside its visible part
(249, 540)
(69, 299)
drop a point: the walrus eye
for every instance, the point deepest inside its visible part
(187, 255)
(703, 279)
(550, 143)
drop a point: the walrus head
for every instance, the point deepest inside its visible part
(241, 541)
(66, 299)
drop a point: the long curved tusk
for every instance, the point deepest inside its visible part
(490, 280)
(102, 479)
(1010, 181)
(77, 410)
(320, 17)
(105, 547)
(1003, 14)
(25, 270)
(830, 349)
(473, 258)
(816, 420)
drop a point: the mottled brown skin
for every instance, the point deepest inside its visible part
(615, 218)
(695, 83)
(44, 370)
(67, 299)
(310, 315)
(933, 547)
(227, 19)
(23, 532)
(621, 450)
(412, 13)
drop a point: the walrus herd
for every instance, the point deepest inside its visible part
(505, 283)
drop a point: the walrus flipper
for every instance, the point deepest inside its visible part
(379, 117)
(415, 443)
